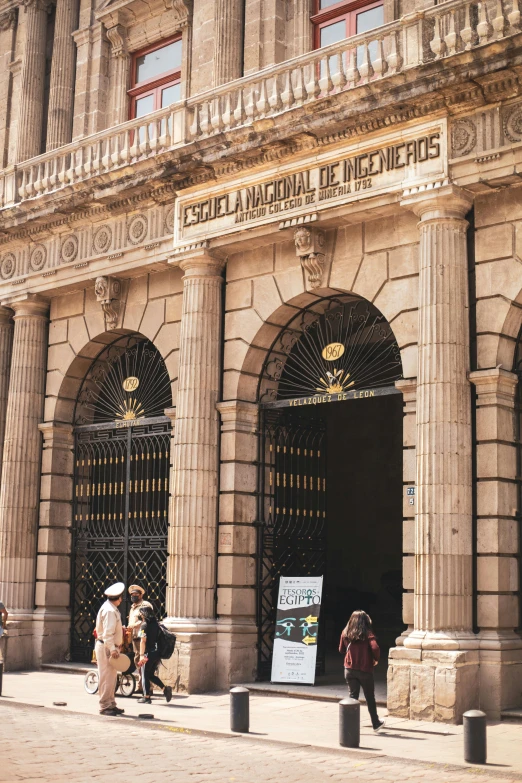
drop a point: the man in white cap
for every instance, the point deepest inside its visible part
(109, 638)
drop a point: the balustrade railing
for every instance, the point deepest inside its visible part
(438, 32)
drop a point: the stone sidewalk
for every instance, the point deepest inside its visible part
(277, 718)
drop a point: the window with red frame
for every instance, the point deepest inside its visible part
(333, 20)
(156, 77)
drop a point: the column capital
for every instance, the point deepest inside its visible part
(199, 262)
(441, 202)
(171, 413)
(5, 315)
(39, 5)
(28, 305)
(238, 416)
(408, 388)
(56, 434)
(495, 386)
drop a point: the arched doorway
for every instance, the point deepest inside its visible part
(330, 477)
(121, 477)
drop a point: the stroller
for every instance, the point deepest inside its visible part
(126, 682)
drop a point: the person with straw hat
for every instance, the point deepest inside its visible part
(109, 638)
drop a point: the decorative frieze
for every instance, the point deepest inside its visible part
(110, 240)
(486, 130)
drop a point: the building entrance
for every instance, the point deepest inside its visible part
(331, 474)
(122, 459)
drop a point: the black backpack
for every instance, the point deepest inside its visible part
(166, 642)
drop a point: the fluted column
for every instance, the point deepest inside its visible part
(20, 481)
(443, 529)
(193, 518)
(6, 345)
(8, 23)
(30, 117)
(61, 92)
(228, 43)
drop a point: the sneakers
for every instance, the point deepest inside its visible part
(112, 711)
(145, 700)
(168, 693)
(379, 726)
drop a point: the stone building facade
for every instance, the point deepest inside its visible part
(191, 190)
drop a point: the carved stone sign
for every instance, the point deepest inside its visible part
(387, 164)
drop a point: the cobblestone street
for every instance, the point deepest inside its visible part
(44, 745)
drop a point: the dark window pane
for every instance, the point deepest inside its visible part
(333, 33)
(168, 58)
(170, 94)
(144, 105)
(368, 20)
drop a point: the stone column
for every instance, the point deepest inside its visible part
(6, 345)
(7, 47)
(61, 92)
(440, 680)
(191, 568)
(30, 113)
(20, 482)
(498, 546)
(228, 41)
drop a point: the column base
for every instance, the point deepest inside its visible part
(432, 684)
(17, 643)
(437, 677)
(209, 655)
(500, 672)
(35, 638)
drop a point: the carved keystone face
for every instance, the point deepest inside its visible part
(303, 240)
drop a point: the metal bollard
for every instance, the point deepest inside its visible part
(349, 723)
(475, 750)
(239, 710)
(1, 675)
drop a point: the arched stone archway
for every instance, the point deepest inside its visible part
(240, 448)
(76, 338)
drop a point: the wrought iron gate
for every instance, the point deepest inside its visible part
(292, 514)
(120, 519)
(122, 459)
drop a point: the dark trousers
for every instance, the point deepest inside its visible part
(356, 679)
(148, 673)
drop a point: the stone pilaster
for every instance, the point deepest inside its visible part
(53, 564)
(228, 42)
(20, 483)
(498, 547)
(191, 568)
(408, 389)
(6, 345)
(30, 114)
(303, 10)
(236, 572)
(61, 93)
(7, 48)
(119, 74)
(439, 675)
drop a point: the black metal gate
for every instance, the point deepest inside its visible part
(121, 482)
(120, 519)
(292, 530)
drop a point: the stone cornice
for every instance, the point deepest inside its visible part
(371, 107)
(127, 12)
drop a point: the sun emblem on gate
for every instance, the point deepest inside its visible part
(336, 382)
(130, 409)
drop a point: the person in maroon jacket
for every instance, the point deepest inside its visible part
(361, 653)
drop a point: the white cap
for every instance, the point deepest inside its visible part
(114, 591)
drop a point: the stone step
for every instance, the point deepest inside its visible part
(514, 715)
(315, 693)
(69, 667)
